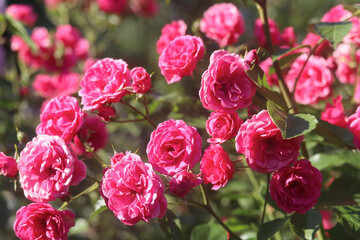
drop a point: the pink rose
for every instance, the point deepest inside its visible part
(62, 117)
(23, 13)
(222, 126)
(276, 36)
(63, 84)
(182, 183)
(347, 59)
(8, 166)
(42, 221)
(272, 78)
(296, 188)
(147, 8)
(353, 124)
(104, 82)
(315, 81)
(112, 6)
(180, 57)
(132, 190)
(260, 140)
(216, 166)
(225, 85)
(141, 80)
(47, 169)
(288, 37)
(335, 114)
(174, 147)
(223, 23)
(357, 93)
(169, 32)
(312, 39)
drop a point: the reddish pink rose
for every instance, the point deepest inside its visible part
(223, 23)
(315, 81)
(182, 183)
(103, 83)
(112, 6)
(169, 32)
(147, 8)
(335, 114)
(276, 36)
(225, 85)
(92, 133)
(42, 221)
(106, 113)
(289, 37)
(47, 169)
(8, 166)
(296, 188)
(312, 39)
(222, 126)
(141, 80)
(180, 57)
(353, 125)
(347, 59)
(216, 166)
(62, 117)
(63, 84)
(23, 13)
(260, 140)
(132, 190)
(174, 147)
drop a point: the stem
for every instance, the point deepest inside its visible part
(139, 112)
(129, 120)
(266, 198)
(205, 197)
(92, 178)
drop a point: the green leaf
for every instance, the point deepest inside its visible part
(281, 51)
(2, 24)
(268, 229)
(291, 125)
(330, 160)
(349, 218)
(16, 28)
(333, 31)
(171, 226)
(338, 232)
(99, 207)
(208, 231)
(306, 225)
(335, 197)
(334, 134)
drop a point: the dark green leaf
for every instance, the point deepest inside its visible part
(333, 31)
(282, 51)
(334, 134)
(338, 232)
(346, 183)
(2, 24)
(268, 229)
(335, 197)
(208, 231)
(327, 160)
(349, 218)
(171, 226)
(16, 28)
(306, 225)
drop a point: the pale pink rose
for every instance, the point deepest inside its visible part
(147, 8)
(141, 80)
(47, 169)
(63, 84)
(272, 78)
(260, 140)
(315, 81)
(61, 117)
(347, 59)
(42, 221)
(180, 56)
(216, 167)
(23, 13)
(169, 32)
(353, 124)
(106, 113)
(92, 133)
(112, 6)
(132, 190)
(223, 23)
(104, 82)
(225, 86)
(296, 188)
(276, 36)
(8, 166)
(335, 114)
(182, 183)
(173, 147)
(222, 126)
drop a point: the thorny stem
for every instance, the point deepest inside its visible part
(139, 112)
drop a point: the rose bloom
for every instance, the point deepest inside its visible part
(335, 114)
(42, 221)
(347, 59)
(103, 83)
(146, 8)
(23, 13)
(296, 188)
(141, 80)
(223, 23)
(112, 6)
(265, 66)
(276, 36)
(222, 126)
(216, 167)
(225, 85)
(8, 166)
(106, 113)
(62, 117)
(180, 57)
(312, 39)
(182, 183)
(63, 84)
(47, 169)
(169, 32)
(353, 125)
(260, 140)
(132, 190)
(315, 81)
(173, 147)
